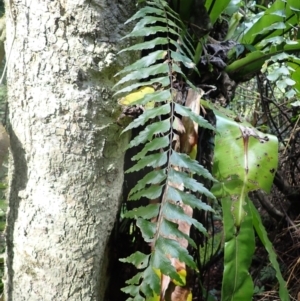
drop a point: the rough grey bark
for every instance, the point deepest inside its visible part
(66, 172)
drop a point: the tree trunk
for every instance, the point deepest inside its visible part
(66, 169)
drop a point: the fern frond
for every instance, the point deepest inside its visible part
(170, 186)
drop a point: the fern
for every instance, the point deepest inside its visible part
(170, 185)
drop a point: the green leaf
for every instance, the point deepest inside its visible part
(138, 259)
(145, 73)
(185, 161)
(142, 12)
(277, 25)
(160, 261)
(157, 96)
(152, 129)
(135, 279)
(254, 61)
(232, 153)
(263, 236)
(175, 212)
(138, 298)
(147, 45)
(277, 73)
(170, 229)
(187, 62)
(155, 160)
(163, 81)
(153, 192)
(153, 177)
(155, 144)
(145, 61)
(188, 182)
(132, 290)
(151, 281)
(238, 251)
(187, 112)
(151, 30)
(147, 228)
(146, 212)
(215, 8)
(189, 199)
(150, 19)
(272, 15)
(149, 114)
(173, 249)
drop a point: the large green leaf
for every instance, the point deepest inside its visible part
(237, 284)
(215, 8)
(241, 150)
(253, 62)
(263, 236)
(244, 160)
(263, 28)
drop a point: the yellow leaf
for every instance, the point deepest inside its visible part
(182, 275)
(135, 96)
